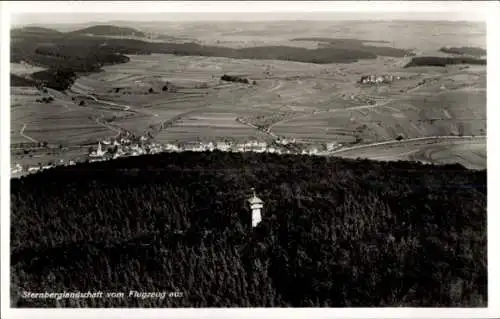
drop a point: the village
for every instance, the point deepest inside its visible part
(127, 144)
(378, 79)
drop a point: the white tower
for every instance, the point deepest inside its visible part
(256, 204)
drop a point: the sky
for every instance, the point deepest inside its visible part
(47, 12)
(70, 18)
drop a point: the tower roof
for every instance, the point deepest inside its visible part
(254, 199)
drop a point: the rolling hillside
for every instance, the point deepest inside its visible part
(34, 31)
(108, 30)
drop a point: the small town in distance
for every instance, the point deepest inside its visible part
(127, 144)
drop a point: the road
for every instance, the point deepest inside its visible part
(26, 136)
(266, 131)
(429, 138)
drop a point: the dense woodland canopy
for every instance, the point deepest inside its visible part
(109, 30)
(443, 61)
(79, 53)
(234, 78)
(464, 51)
(335, 232)
(67, 57)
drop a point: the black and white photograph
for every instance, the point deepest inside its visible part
(280, 159)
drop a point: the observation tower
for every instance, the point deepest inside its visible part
(256, 204)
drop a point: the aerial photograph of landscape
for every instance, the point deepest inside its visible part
(217, 163)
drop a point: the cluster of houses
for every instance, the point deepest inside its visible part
(18, 169)
(378, 79)
(129, 145)
(125, 144)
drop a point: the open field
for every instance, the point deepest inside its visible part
(59, 122)
(469, 151)
(66, 128)
(182, 98)
(24, 69)
(323, 103)
(310, 102)
(445, 113)
(281, 88)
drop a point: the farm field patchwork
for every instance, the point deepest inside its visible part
(183, 134)
(298, 90)
(56, 122)
(353, 210)
(45, 133)
(170, 97)
(470, 152)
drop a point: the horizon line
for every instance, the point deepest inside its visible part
(110, 22)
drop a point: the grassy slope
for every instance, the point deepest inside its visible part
(33, 31)
(335, 232)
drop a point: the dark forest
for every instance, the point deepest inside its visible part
(335, 232)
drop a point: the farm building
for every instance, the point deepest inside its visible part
(373, 79)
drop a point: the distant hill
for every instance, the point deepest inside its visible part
(443, 61)
(33, 31)
(109, 30)
(472, 51)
